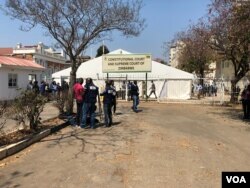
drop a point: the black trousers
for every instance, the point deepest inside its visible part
(78, 112)
(114, 106)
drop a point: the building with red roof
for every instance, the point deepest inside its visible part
(15, 74)
(41, 54)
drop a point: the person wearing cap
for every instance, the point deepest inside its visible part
(91, 92)
(108, 100)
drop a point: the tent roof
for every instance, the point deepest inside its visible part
(93, 69)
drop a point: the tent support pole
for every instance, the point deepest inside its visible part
(107, 76)
(146, 87)
(126, 91)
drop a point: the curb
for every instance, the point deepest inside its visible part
(16, 147)
(20, 128)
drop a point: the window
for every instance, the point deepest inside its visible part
(12, 80)
(32, 77)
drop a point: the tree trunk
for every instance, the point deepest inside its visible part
(71, 84)
(233, 90)
(202, 76)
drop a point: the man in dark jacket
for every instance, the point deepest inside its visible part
(109, 95)
(36, 87)
(91, 92)
(135, 95)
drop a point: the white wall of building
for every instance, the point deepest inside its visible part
(8, 93)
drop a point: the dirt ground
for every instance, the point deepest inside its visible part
(164, 145)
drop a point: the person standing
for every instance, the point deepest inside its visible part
(42, 88)
(244, 102)
(36, 87)
(123, 91)
(91, 92)
(53, 88)
(248, 101)
(129, 90)
(108, 100)
(30, 85)
(114, 93)
(199, 89)
(152, 88)
(144, 93)
(78, 91)
(59, 90)
(135, 95)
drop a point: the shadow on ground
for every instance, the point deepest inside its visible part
(100, 140)
(10, 181)
(233, 113)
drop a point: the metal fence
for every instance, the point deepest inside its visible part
(216, 90)
(202, 90)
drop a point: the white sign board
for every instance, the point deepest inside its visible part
(115, 63)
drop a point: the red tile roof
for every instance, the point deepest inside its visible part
(18, 62)
(6, 51)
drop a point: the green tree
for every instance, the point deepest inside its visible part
(195, 53)
(230, 31)
(77, 24)
(102, 50)
(3, 109)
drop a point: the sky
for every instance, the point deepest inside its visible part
(164, 18)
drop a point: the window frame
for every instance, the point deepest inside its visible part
(11, 77)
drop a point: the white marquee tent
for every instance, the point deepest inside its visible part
(171, 83)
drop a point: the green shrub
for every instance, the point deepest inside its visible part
(28, 106)
(3, 107)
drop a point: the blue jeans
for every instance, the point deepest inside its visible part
(88, 109)
(135, 102)
(107, 114)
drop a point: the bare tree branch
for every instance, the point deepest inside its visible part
(76, 24)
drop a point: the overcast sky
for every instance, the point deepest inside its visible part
(163, 18)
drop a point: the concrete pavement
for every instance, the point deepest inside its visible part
(164, 145)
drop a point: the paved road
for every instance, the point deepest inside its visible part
(165, 145)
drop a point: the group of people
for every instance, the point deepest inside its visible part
(206, 90)
(210, 90)
(51, 91)
(88, 95)
(130, 84)
(86, 98)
